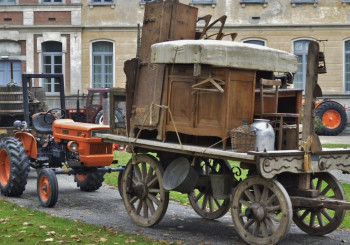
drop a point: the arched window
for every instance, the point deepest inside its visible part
(255, 41)
(52, 64)
(347, 66)
(300, 49)
(102, 64)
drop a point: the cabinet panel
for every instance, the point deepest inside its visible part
(241, 93)
(181, 103)
(209, 109)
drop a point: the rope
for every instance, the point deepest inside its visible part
(216, 143)
(173, 122)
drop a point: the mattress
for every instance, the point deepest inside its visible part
(223, 54)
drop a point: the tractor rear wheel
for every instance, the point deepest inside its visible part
(47, 188)
(119, 118)
(333, 116)
(14, 167)
(89, 182)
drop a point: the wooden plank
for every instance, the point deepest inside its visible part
(309, 106)
(163, 21)
(311, 81)
(177, 148)
(319, 202)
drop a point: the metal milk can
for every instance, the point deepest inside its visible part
(265, 135)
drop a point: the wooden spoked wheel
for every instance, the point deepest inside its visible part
(47, 188)
(320, 221)
(201, 199)
(144, 196)
(261, 211)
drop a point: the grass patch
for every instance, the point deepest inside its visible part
(20, 225)
(336, 145)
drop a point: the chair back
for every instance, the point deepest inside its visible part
(269, 89)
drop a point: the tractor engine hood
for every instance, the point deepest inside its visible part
(67, 129)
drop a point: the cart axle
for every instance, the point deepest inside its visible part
(319, 202)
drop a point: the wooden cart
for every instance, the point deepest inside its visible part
(187, 95)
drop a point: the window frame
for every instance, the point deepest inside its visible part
(345, 71)
(92, 55)
(204, 2)
(52, 2)
(253, 2)
(102, 3)
(296, 2)
(254, 39)
(304, 62)
(52, 55)
(6, 2)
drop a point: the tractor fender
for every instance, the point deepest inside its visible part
(320, 102)
(29, 143)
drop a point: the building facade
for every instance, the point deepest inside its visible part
(89, 40)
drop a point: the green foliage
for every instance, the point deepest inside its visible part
(318, 125)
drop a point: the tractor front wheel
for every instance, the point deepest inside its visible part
(89, 182)
(14, 167)
(47, 188)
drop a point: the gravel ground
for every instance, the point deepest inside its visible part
(105, 208)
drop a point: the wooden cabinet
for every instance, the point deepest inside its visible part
(203, 113)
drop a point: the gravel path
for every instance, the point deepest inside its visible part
(105, 208)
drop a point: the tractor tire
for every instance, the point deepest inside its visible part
(333, 116)
(47, 188)
(99, 117)
(119, 118)
(89, 182)
(14, 167)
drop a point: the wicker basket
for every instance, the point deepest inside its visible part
(243, 139)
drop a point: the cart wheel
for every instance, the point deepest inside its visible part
(144, 196)
(261, 211)
(321, 221)
(120, 182)
(47, 188)
(202, 200)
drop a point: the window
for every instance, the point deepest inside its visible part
(255, 41)
(203, 1)
(52, 64)
(102, 64)
(102, 2)
(294, 2)
(52, 1)
(7, 2)
(253, 1)
(10, 69)
(347, 66)
(244, 2)
(304, 1)
(300, 49)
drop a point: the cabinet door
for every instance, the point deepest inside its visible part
(209, 108)
(181, 103)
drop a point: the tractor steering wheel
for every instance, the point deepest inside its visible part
(53, 115)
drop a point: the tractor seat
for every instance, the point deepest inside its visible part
(40, 125)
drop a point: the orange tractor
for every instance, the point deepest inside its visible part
(333, 115)
(55, 143)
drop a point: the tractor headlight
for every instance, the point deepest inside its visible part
(73, 146)
(100, 131)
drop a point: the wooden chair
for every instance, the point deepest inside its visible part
(269, 89)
